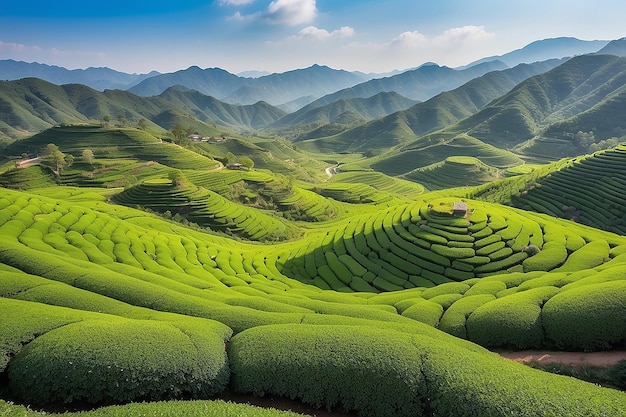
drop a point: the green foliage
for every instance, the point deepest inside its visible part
(551, 256)
(512, 321)
(119, 361)
(198, 408)
(416, 375)
(454, 319)
(337, 374)
(589, 256)
(589, 317)
(425, 311)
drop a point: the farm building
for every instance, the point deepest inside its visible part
(459, 209)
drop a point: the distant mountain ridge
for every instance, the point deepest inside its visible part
(98, 78)
(545, 49)
(419, 84)
(275, 89)
(615, 47)
(438, 112)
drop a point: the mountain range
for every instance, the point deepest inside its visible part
(403, 123)
(98, 78)
(294, 89)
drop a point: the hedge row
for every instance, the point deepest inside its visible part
(116, 361)
(333, 367)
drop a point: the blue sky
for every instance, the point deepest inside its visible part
(280, 35)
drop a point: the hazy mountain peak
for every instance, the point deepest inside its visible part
(615, 47)
(545, 49)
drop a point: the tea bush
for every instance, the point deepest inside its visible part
(117, 361)
(331, 367)
(511, 321)
(590, 317)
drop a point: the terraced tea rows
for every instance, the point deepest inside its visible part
(397, 188)
(114, 143)
(590, 191)
(89, 267)
(420, 246)
(205, 208)
(354, 193)
(454, 171)
(433, 148)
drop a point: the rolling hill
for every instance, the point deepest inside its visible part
(30, 105)
(359, 109)
(438, 112)
(537, 120)
(566, 91)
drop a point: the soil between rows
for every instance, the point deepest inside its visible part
(574, 359)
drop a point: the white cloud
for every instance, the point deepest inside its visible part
(409, 39)
(290, 12)
(465, 34)
(317, 34)
(453, 47)
(234, 2)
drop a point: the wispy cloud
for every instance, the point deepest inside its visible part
(317, 34)
(19, 48)
(49, 55)
(64, 52)
(454, 46)
(450, 38)
(238, 17)
(413, 38)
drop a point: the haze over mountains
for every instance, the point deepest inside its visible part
(276, 89)
(501, 115)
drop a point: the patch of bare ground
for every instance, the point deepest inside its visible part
(573, 359)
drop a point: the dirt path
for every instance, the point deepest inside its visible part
(599, 359)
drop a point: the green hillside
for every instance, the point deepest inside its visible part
(566, 91)
(438, 112)
(538, 120)
(209, 109)
(344, 112)
(433, 149)
(30, 105)
(111, 143)
(454, 171)
(145, 275)
(588, 190)
(94, 276)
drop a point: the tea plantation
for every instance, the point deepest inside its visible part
(153, 280)
(384, 309)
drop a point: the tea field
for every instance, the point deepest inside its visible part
(363, 293)
(406, 296)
